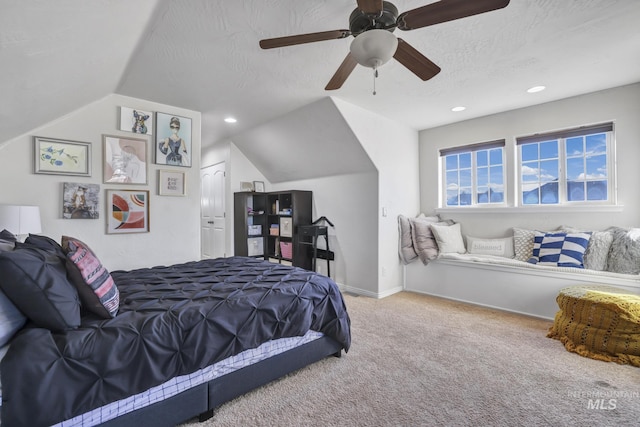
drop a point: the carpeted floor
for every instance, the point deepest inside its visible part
(422, 361)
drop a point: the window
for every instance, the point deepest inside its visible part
(566, 167)
(474, 174)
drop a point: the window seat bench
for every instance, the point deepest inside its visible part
(505, 283)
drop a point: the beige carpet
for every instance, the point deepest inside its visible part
(422, 361)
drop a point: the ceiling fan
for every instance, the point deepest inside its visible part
(372, 24)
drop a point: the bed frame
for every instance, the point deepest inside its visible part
(201, 401)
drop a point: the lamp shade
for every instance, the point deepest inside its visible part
(20, 219)
(374, 47)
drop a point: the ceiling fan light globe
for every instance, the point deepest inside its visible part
(374, 48)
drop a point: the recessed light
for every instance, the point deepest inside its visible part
(230, 120)
(456, 109)
(536, 89)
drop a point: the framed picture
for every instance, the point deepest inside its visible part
(80, 201)
(173, 140)
(258, 186)
(171, 183)
(61, 157)
(136, 121)
(127, 211)
(246, 186)
(125, 160)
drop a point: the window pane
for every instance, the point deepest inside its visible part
(452, 197)
(482, 195)
(452, 162)
(482, 158)
(465, 160)
(482, 176)
(530, 171)
(575, 146)
(529, 152)
(575, 168)
(465, 178)
(549, 170)
(597, 190)
(575, 191)
(530, 197)
(597, 144)
(496, 194)
(497, 175)
(549, 150)
(495, 156)
(465, 197)
(452, 179)
(549, 193)
(597, 167)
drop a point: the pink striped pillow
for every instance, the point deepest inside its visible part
(96, 288)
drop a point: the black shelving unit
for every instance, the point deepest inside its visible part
(279, 214)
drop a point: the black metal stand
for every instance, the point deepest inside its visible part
(313, 232)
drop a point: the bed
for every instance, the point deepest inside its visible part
(154, 346)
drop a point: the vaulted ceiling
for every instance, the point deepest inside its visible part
(57, 56)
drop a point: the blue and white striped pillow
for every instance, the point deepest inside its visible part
(560, 249)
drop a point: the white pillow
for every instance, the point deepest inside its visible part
(500, 247)
(449, 238)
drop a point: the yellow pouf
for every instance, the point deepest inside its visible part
(600, 322)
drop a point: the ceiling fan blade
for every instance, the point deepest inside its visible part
(370, 7)
(303, 38)
(446, 10)
(344, 70)
(416, 62)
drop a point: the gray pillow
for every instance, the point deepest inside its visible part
(405, 244)
(595, 257)
(424, 241)
(624, 255)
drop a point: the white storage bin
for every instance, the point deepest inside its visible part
(255, 230)
(255, 246)
(286, 227)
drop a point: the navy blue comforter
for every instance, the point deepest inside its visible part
(172, 321)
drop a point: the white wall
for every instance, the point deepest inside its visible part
(350, 203)
(174, 227)
(365, 239)
(393, 149)
(621, 105)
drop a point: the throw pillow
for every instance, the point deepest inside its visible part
(523, 243)
(97, 290)
(35, 280)
(624, 255)
(449, 238)
(423, 240)
(405, 244)
(595, 257)
(11, 319)
(7, 241)
(560, 249)
(45, 243)
(500, 247)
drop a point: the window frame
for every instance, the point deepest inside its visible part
(472, 149)
(561, 137)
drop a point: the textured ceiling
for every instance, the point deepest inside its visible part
(204, 55)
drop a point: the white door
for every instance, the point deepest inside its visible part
(212, 207)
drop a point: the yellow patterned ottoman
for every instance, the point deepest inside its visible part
(600, 322)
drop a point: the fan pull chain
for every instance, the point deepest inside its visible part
(375, 76)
